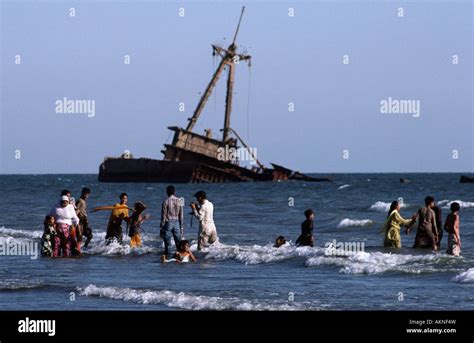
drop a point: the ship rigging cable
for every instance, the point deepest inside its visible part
(248, 102)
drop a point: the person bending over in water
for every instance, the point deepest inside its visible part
(135, 221)
(306, 238)
(391, 227)
(427, 232)
(182, 255)
(452, 228)
(118, 215)
(47, 240)
(279, 241)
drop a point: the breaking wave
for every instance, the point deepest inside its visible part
(354, 222)
(114, 249)
(343, 186)
(379, 262)
(98, 246)
(18, 285)
(447, 203)
(21, 233)
(381, 206)
(258, 254)
(190, 302)
(465, 277)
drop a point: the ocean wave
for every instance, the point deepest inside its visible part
(14, 241)
(145, 236)
(354, 222)
(21, 233)
(18, 285)
(465, 277)
(114, 249)
(447, 203)
(379, 262)
(98, 245)
(381, 206)
(258, 254)
(188, 301)
(343, 186)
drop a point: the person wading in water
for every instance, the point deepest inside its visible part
(118, 215)
(172, 219)
(427, 232)
(83, 229)
(391, 227)
(204, 212)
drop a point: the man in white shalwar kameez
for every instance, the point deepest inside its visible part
(205, 214)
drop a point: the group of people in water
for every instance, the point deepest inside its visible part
(428, 235)
(67, 224)
(430, 227)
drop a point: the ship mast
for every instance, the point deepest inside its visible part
(229, 58)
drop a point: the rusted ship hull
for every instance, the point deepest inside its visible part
(193, 157)
(151, 170)
(466, 179)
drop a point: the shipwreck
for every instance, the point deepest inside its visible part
(195, 158)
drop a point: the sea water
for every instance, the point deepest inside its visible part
(243, 271)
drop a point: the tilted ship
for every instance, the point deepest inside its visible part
(195, 158)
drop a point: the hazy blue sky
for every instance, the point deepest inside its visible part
(295, 59)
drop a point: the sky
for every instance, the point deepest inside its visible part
(298, 105)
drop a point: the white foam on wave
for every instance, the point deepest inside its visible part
(31, 234)
(98, 245)
(188, 301)
(258, 254)
(145, 236)
(447, 203)
(379, 262)
(13, 241)
(114, 249)
(354, 223)
(15, 284)
(465, 277)
(381, 206)
(343, 186)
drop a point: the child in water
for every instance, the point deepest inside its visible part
(135, 221)
(183, 254)
(47, 239)
(279, 241)
(306, 238)
(451, 225)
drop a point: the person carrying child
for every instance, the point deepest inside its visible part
(65, 218)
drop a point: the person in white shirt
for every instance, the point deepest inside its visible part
(205, 214)
(65, 216)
